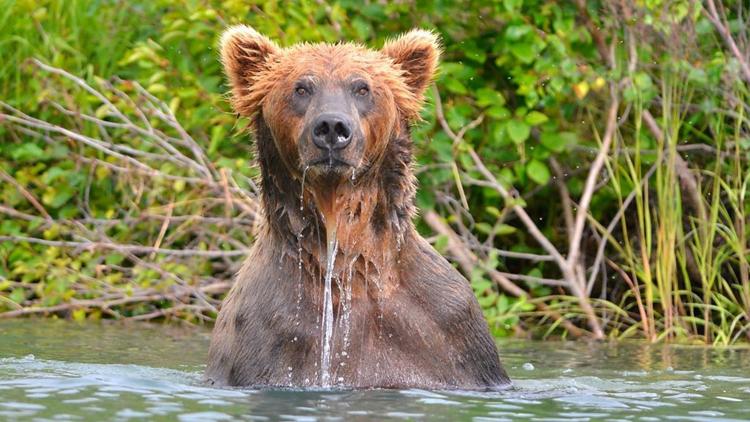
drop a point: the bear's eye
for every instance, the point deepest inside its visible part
(301, 91)
(362, 91)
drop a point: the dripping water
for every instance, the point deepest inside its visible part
(347, 311)
(327, 324)
(302, 190)
(345, 293)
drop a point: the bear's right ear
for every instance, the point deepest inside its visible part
(417, 53)
(244, 54)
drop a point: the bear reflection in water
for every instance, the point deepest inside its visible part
(339, 289)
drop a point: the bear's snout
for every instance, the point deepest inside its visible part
(332, 131)
(332, 140)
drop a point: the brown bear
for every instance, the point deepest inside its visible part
(339, 289)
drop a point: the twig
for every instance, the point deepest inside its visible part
(588, 190)
(532, 279)
(26, 194)
(105, 304)
(164, 226)
(467, 261)
(567, 206)
(136, 249)
(713, 15)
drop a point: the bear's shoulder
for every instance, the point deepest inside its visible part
(422, 265)
(432, 282)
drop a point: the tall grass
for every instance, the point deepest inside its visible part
(76, 34)
(684, 249)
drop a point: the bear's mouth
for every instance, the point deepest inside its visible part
(330, 162)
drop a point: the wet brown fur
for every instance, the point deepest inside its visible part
(414, 321)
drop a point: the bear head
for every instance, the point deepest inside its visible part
(331, 109)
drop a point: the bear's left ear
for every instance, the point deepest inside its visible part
(245, 53)
(417, 53)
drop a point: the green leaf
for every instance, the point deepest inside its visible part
(515, 32)
(499, 134)
(57, 197)
(538, 172)
(552, 141)
(157, 89)
(535, 118)
(642, 80)
(114, 259)
(441, 243)
(480, 284)
(518, 131)
(18, 295)
(79, 315)
(523, 51)
(484, 228)
(27, 152)
(489, 97)
(455, 86)
(502, 304)
(218, 134)
(493, 211)
(474, 53)
(504, 229)
(557, 141)
(498, 112)
(486, 301)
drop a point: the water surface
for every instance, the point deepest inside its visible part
(56, 370)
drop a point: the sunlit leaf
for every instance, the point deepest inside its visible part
(538, 171)
(518, 131)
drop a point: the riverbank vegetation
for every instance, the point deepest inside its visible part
(584, 163)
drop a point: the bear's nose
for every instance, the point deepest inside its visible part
(331, 131)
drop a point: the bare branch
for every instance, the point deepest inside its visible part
(136, 249)
(722, 27)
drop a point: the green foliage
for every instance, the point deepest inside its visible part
(534, 72)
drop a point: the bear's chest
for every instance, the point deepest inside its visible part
(367, 344)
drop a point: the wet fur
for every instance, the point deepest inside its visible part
(414, 321)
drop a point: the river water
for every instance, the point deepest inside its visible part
(57, 370)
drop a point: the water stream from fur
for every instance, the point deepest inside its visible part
(327, 325)
(302, 189)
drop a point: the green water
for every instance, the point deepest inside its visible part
(54, 370)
